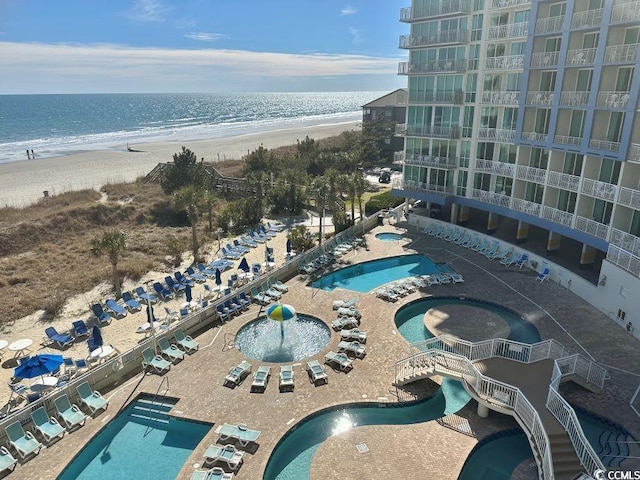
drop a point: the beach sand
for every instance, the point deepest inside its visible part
(24, 182)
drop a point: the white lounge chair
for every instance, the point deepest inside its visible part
(353, 347)
(239, 432)
(226, 453)
(47, 426)
(341, 360)
(286, 378)
(345, 322)
(7, 461)
(316, 372)
(156, 362)
(261, 378)
(354, 334)
(23, 442)
(91, 398)
(349, 312)
(238, 373)
(345, 303)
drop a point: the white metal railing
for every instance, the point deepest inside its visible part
(490, 197)
(398, 156)
(549, 24)
(435, 9)
(621, 53)
(626, 241)
(574, 99)
(629, 197)
(431, 161)
(401, 129)
(544, 59)
(604, 145)
(567, 140)
(627, 12)
(510, 30)
(433, 131)
(441, 190)
(497, 134)
(634, 398)
(440, 96)
(613, 99)
(557, 216)
(499, 168)
(634, 153)
(505, 62)
(624, 259)
(531, 174)
(564, 181)
(539, 98)
(500, 97)
(526, 206)
(592, 227)
(603, 190)
(534, 136)
(508, 3)
(581, 56)
(588, 18)
(443, 36)
(455, 65)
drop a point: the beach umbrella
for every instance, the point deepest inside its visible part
(288, 245)
(244, 265)
(218, 277)
(187, 293)
(280, 312)
(96, 335)
(150, 320)
(38, 365)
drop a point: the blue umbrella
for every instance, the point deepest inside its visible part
(187, 293)
(288, 245)
(38, 365)
(96, 333)
(244, 265)
(218, 277)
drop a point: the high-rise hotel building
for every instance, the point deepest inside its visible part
(528, 110)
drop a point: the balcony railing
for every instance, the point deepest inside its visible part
(498, 168)
(455, 97)
(604, 145)
(602, 190)
(574, 99)
(490, 197)
(634, 153)
(592, 227)
(534, 136)
(544, 59)
(414, 186)
(626, 241)
(508, 3)
(624, 260)
(500, 97)
(497, 134)
(622, 53)
(401, 129)
(557, 216)
(435, 131)
(531, 174)
(539, 98)
(525, 206)
(511, 30)
(629, 197)
(613, 99)
(398, 156)
(567, 140)
(446, 7)
(549, 25)
(442, 37)
(564, 181)
(405, 68)
(582, 56)
(507, 62)
(627, 12)
(431, 161)
(589, 18)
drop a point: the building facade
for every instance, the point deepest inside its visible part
(389, 109)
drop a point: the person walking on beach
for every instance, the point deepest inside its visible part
(28, 156)
(33, 155)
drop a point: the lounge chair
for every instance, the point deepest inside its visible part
(116, 309)
(195, 276)
(261, 378)
(165, 293)
(238, 373)
(207, 272)
(172, 315)
(260, 298)
(7, 461)
(216, 473)
(492, 250)
(344, 322)
(510, 260)
(91, 398)
(271, 292)
(243, 304)
(354, 334)
(276, 226)
(341, 360)
(280, 286)
(543, 275)
(286, 378)
(349, 312)
(81, 365)
(159, 364)
(222, 313)
(316, 372)
(247, 242)
(69, 413)
(48, 426)
(430, 280)
(145, 297)
(456, 277)
(500, 255)
(23, 442)
(443, 278)
(345, 303)
(523, 260)
(180, 278)
(177, 287)
(61, 340)
(353, 347)
(80, 328)
(102, 316)
(239, 432)
(226, 453)
(185, 341)
(172, 352)
(387, 294)
(131, 303)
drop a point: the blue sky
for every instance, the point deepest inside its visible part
(84, 46)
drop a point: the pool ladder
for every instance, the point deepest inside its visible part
(153, 401)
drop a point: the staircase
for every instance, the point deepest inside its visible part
(565, 461)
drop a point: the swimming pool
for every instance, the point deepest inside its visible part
(263, 339)
(389, 236)
(364, 277)
(141, 442)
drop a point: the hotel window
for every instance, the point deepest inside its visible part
(504, 185)
(614, 131)
(634, 229)
(474, 55)
(590, 40)
(542, 120)
(471, 85)
(595, 4)
(496, 50)
(539, 158)
(577, 123)
(602, 211)
(513, 82)
(534, 192)
(572, 164)
(467, 127)
(609, 171)
(485, 150)
(482, 181)
(498, 19)
(552, 44)
(521, 16)
(478, 5)
(492, 82)
(557, 9)
(517, 48)
(463, 176)
(508, 153)
(623, 82)
(509, 118)
(547, 81)
(632, 36)
(438, 177)
(489, 117)
(583, 81)
(465, 154)
(567, 201)
(476, 28)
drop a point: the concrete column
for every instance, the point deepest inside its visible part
(587, 257)
(492, 222)
(483, 410)
(553, 243)
(522, 235)
(454, 214)
(463, 215)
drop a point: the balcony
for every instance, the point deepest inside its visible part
(497, 134)
(623, 259)
(433, 131)
(442, 37)
(511, 30)
(549, 25)
(634, 153)
(490, 197)
(564, 181)
(604, 145)
(602, 190)
(574, 99)
(431, 161)
(626, 241)
(539, 98)
(405, 68)
(534, 136)
(557, 216)
(567, 140)
(500, 97)
(621, 53)
(530, 208)
(438, 9)
(455, 97)
(508, 62)
(544, 59)
(592, 227)
(411, 185)
(627, 12)
(613, 99)
(589, 18)
(508, 3)
(581, 56)
(496, 168)
(629, 197)
(398, 157)
(531, 174)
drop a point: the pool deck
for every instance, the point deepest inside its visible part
(405, 452)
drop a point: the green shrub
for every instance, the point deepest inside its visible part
(53, 305)
(381, 201)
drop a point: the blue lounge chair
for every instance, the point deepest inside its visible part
(23, 442)
(187, 343)
(48, 426)
(239, 432)
(543, 275)
(248, 242)
(80, 328)
(156, 362)
(91, 398)
(244, 299)
(7, 461)
(59, 339)
(145, 297)
(180, 278)
(131, 303)
(230, 254)
(523, 260)
(177, 287)
(195, 276)
(237, 247)
(102, 316)
(116, 309)
(242, 304)
(222, 313)
(509, 260)
(165, 293)
(208, 272)
(69, 413)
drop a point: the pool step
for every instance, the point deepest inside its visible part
(151, 410)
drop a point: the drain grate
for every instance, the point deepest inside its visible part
(491, 324)
(362, 448)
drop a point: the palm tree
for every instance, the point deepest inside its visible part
(112, 244)
(190, 198)
(360, 186)
(321, 192)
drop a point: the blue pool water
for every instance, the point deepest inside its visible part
(389, 236)
(130, 447)
(291, 459)
(409, 319)
(293, 340)
(364, 277)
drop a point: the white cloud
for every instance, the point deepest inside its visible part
(348, 10)
(147, 11)
(356, 39)
(185, 23)
(206, 37)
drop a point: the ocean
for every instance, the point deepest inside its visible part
(55, 125)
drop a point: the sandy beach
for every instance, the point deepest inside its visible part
(24, 182)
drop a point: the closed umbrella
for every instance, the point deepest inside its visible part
(218, 277)
(288, 245)
(38, 365)
(151, 319)
(244, 265)
(187, 293)
(96, 341)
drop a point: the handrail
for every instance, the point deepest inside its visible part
(149, 427)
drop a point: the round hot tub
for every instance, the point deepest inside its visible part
(389, 236)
